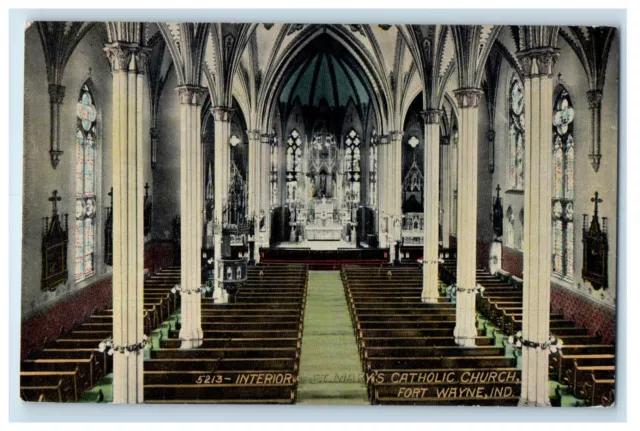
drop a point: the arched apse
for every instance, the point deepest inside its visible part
(340, 46)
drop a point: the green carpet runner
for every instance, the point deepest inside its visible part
(330, 369)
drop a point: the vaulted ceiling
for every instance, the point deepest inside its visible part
(259, 65)
(325, 71)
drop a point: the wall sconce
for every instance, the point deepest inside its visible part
(595, 104)
(56, 95)
(154, 146)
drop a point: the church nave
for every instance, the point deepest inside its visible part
(320, 214)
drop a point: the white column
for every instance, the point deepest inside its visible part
(127, 65)
(191, 197)
(221, 117)
(454, 186)
(465, 331)
(394, 188)
(265, 192)
(254, 173)
(255, 187)
(538, 112)
(383, 194)
(446, 193)
(431, 165)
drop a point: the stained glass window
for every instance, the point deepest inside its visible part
(352, 164)
(85, 207)
(563, 185)
(294, 160)
(373, 169)
(274, 171)
(516, 134)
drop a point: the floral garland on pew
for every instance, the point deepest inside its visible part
(453, 290)
(201, 290)
(553, 344)
(110, 347)
(421, 262)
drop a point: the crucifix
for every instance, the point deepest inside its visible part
(54, 199)
(146, 192)
(111, 196)
(596, 201)
(498, 190)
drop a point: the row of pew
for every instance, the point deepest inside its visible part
(585, 364)
(250, 351)
(407, 348)
(71, 364)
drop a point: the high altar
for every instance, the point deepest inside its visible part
(322, 210)
(321, 224)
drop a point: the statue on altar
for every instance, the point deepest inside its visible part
(323, 185)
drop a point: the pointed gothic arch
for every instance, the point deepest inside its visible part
(291, 58)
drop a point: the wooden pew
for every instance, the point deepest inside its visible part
(599, 391)
(257, 335)
(51, 392)
(65, 382)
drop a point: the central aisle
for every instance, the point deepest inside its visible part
(330, 370)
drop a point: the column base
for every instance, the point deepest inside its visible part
(466, 341)
(429, 299)
(191, 339)
(220, 296)
(465, 337)
(523, 402)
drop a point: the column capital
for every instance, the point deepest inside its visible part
(468, 97)
(383, 140)
(254, 134)
(142, 60)
(395, 135)
(191, 94)
(431, 116)
(538, 61)
(595, 98)
(221, 113)
(56, 93)
(120, 55)
(266, 138)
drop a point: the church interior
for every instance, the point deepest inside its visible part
(319, 214)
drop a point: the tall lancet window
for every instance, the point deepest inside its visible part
(352, 164)
(85, 207)
(516, 134)
(373, 169)
(563, 186)
(273, 177)
(294, 164)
